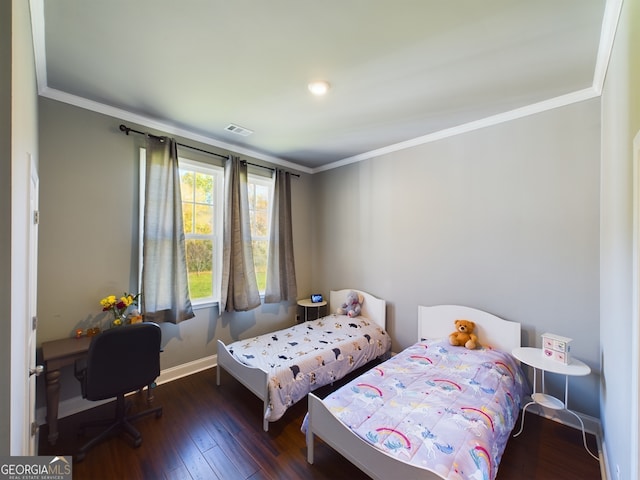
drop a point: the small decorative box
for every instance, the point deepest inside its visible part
(556, 347)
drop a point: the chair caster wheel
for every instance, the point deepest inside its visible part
(159, 414)
(137, 442)
(80, 457)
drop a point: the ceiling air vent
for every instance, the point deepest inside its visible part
(238, 130)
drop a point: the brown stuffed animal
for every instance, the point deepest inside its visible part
(464, 335)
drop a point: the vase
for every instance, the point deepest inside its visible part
(119, 321)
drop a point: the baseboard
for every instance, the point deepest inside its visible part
(78, 404)
(591, 424)
(605, 467)
(174, 373)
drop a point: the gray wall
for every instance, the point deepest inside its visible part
(505, 219)
(619, 323)
(89, 237)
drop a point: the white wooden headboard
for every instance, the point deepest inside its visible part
(373, 308)
(438, 322)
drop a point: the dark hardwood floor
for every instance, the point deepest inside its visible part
(209, 432)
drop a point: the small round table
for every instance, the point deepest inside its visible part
(307, 304)
(535, 358)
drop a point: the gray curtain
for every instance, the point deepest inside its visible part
(165, 287)
(239, 285)
(281, 269)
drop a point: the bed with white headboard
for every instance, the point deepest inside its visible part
(414, 447)
(281, 367)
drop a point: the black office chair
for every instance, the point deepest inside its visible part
(120, 360)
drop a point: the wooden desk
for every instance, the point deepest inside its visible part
(57, 354)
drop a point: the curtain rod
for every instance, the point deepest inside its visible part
(127, 130)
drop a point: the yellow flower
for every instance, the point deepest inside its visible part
(128, 300)
(108, 302)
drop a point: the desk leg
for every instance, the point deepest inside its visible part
(53, 396)
(150, 396)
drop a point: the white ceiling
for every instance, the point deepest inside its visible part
(402, 72)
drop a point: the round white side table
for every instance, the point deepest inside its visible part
(534, 357)
(307, 305)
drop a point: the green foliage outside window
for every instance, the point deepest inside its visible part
(199, 222)
(259, 212)
(199, 217)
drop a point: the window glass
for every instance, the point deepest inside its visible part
(200, 184)
(260, 194)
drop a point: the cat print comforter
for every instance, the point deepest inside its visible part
(309, 355)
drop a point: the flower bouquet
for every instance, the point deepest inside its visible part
(119, 307)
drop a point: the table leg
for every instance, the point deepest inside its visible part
(52, 379)
(584, 436)
(532, 402)
(524, 410)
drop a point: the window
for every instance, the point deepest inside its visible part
(202, 189)
(260, 195)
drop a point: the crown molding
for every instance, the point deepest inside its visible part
(611, 17)
(39, 47)
(515, 114)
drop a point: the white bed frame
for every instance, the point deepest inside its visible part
(433, 322)
(257, 380)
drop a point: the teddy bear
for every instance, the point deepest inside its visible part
(352, 307)
(464, 334)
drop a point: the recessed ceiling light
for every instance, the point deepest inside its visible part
(319, 88)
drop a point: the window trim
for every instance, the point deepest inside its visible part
(218, 173)
(269, 182)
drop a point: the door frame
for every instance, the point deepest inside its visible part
(635, 321)
(31, 436)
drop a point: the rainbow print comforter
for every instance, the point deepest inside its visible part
(310, 355)
(443, 408)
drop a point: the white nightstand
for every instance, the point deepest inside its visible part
(307, 305)
(534, 357)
